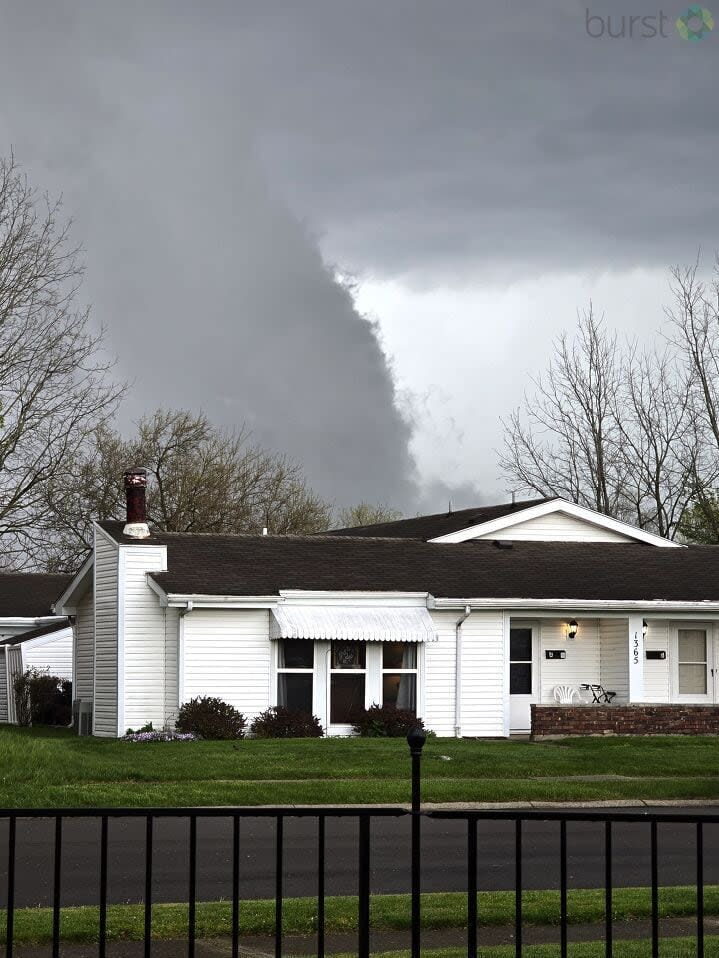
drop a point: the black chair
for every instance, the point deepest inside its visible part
(600, 695)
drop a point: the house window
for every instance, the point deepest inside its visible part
(692, 661)
(399, 675)
(295, 669)
(347, 681)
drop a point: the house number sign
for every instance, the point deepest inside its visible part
(635, 649)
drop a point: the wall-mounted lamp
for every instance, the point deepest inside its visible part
(572, 628)
(645, 627)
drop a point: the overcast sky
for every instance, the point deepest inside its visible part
(479, 170)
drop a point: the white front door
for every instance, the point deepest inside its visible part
(523, 678)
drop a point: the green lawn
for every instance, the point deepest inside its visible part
(387, 913)
(45, 767)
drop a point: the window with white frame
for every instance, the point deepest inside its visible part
(692, 661)
(347, 681)
(295, 672)
(399, 675)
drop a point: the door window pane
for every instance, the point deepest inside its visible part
(294, 691)
(520, 645)
(346, 698)
(399, 655)
(348, 655)
(520, 678)
(400, 691)
(692, 679)
(692, 645)
(296, 654)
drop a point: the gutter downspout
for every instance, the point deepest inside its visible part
(458, 671)
(181, 652)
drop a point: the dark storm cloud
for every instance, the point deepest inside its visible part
(207, 150)
(471, 134)
(214, 295)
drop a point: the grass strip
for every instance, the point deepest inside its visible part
(347, 791)
(670, 948)
(388, 912)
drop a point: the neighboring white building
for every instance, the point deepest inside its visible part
(32, 635)
(468, 617)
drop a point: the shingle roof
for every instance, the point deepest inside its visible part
(35, 633)
(264, 565)
(30, 594)
(439, 524)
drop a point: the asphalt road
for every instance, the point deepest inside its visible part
(444, 857)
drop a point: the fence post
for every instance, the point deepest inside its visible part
(416, 739)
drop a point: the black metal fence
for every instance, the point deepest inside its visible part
(365, 817)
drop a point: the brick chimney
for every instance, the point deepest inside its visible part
(135, 484)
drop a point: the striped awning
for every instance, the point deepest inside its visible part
(352, 623)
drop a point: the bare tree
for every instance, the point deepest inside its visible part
(611, 428)
(55, 389)
(564, 440)
(694, 323)
(200, 479)
(660, 445)
(366, 514)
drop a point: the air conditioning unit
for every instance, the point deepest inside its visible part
(82, 717)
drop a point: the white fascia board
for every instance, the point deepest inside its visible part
(77, 588)
(176, 600)
(355, 598)
(30, 622)
(295, 596)
(596, 606)
(566, 507)
(157, 589)
(41, 640)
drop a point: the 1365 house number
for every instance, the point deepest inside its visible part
(636, 649)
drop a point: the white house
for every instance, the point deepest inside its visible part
(31, 634)
(470, 618)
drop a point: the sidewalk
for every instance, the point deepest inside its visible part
(382, 941)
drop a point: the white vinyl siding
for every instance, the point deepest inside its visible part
(657, 685)
(582, 664)
(227, 654)
(439, 675)
(557, 526)
(483, 685)
(51, 655)
(84, 649)
(106, 695)
(614, 647)
(144, 648)
(3, 687)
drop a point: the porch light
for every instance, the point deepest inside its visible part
(572, 629)
(645, 627)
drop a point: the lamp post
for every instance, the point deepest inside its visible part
(416, 739)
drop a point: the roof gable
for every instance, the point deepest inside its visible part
(438, 524)
(557, 520)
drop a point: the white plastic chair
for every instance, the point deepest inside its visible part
(566, 694)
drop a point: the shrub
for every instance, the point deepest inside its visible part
(210, 718)
(42, 699)
(384, 721)
(281, 722)
(21, 688)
